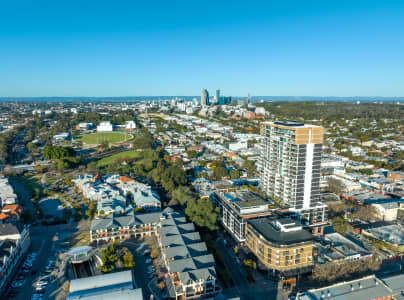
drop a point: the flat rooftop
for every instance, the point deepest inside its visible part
(269, 228)
(291, 124)
(245, 199)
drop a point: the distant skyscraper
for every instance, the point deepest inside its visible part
(217, 95)
(290, 167)
(249, 98)
(204, 97)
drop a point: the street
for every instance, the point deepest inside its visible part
(261, 289)
(42, 242)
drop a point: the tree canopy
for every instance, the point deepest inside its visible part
(57, 152)
(202, 213)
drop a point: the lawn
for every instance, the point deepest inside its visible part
(113, 158)
(100, 137)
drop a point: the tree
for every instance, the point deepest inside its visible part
(154, 253)
(161, 285)
(192, 154)
(62, 165)
(335, 185)
(336, 208)
(90, 212)
(57, 152)
(234, 174)
(332, 272)
(144, 140)
(340, 225)
(109, 257)
(202, 213)
(220, 172)
(366, 212)
(249, 166)
(32, 147)
(182, 194)
(128, 262)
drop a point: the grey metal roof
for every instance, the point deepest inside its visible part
(173, 220)
(176, 230)
(182, 252)
(191, 264)
(98, 281)
(8, 229)
(103, 294)
(112, 221)
(365, 288)
(180, 240)
(195, 275)
(396, 282)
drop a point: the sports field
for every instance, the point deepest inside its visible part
(100, 137)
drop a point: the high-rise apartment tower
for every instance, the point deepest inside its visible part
(290, 167)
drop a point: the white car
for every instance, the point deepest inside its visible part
(42, 283)
(40, 288)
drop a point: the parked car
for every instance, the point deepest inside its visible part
(42, 282)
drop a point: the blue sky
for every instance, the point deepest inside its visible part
(135, 48)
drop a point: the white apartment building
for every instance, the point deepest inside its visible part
(290, 167)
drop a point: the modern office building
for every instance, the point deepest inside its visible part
(290, 168)
(204, 97)
(281, 245)
(217, 96)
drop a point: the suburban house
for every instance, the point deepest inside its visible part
(10, 212)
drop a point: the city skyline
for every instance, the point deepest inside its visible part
(265, 48)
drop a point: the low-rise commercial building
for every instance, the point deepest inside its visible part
(281, 245)
(369, 287)
(117, 286)
(392, 235)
